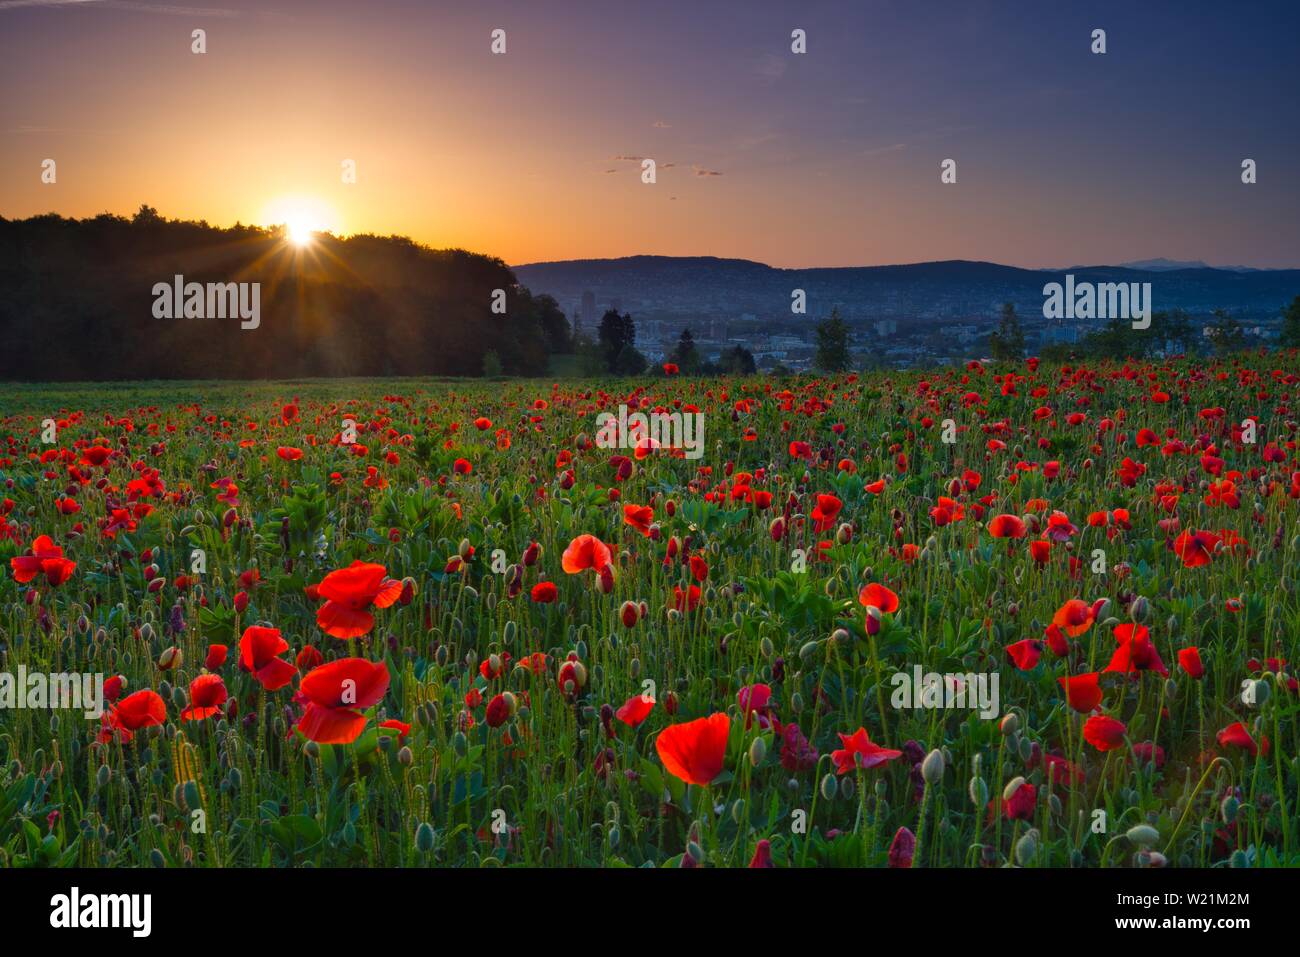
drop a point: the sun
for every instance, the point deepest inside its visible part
(299, 232)
(301, 217)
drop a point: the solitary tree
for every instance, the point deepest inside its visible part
(737, 361)
(685, 355)
(1008, 340)
(1291, 324)
(616, 332)
(832, 344)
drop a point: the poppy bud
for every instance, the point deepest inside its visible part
(757, 751)
(629, 613)
(978, 791)
(844, 534)
(1142, 834)
(777, 529)
(1140, 609)
(841, 637)
(1027, 848)
(829, 787)
(605, 580)
(932, 767)
(230, 517)
(1012, 787)
(241, 601)
(169, 659)
(1010, 724)
(424, 838)
(873, 620)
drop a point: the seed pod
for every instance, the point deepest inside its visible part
(1012, 787)
(1027, 848)
(932, 767)
(424, 838)
(829, 787)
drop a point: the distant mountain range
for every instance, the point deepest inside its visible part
(671, 287)
(1165, 265)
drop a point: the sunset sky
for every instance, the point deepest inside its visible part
(829, 158)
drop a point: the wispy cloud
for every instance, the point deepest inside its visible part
(130, 6)
(881, 150)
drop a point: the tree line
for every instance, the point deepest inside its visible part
(77, 302)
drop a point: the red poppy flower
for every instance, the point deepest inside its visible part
(140, 710)
(640, 517)
(309, 658)
(1103, 732)
(687, 600)
(46, 559)
(585, 551)
(1006, 526)
(878, 596)
(1189, 659)
(860, 751)
(1136, 651)
(207, 694)
(1235, 735)
(544, 592)
(825, 512)
(349, 594)
(635, 710)
(695, 751)
(336, 694)
(216, 657)
(1196, 548)
(1083, 692)
(401, 727)
(1025, 653)
(1074, 617)
(259, 652)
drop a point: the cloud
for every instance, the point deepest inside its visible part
(881, 150)
(661, 125)
(621, 158)
(701, 171)
(130, 6)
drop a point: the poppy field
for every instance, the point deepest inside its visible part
(1030, 615)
